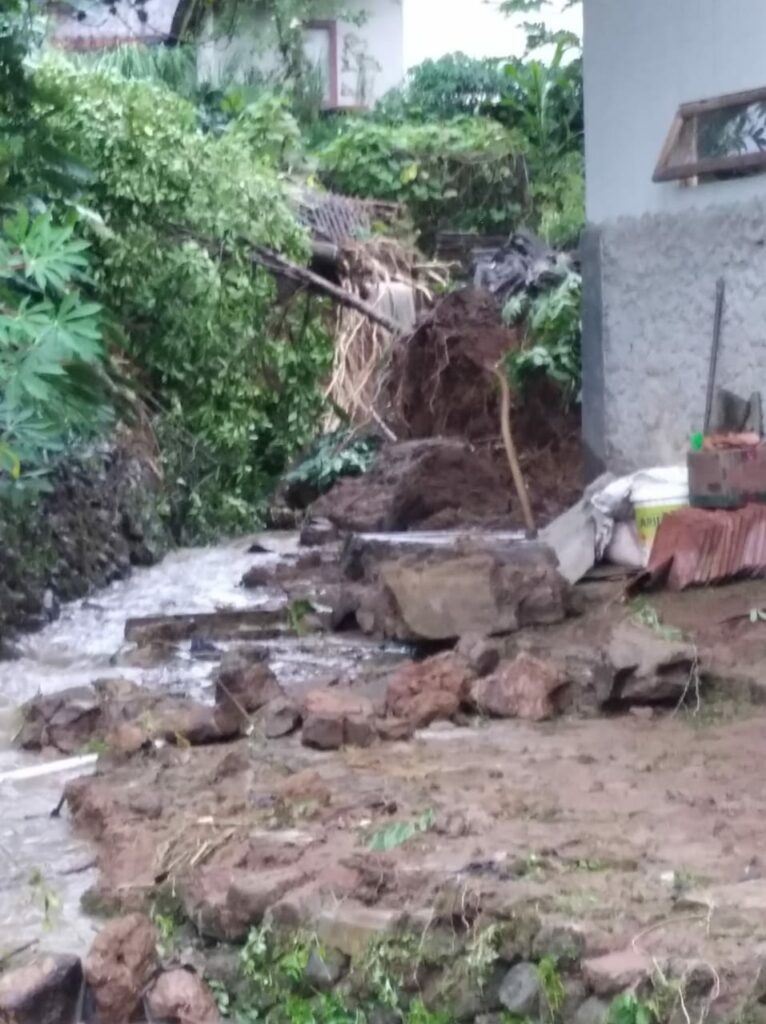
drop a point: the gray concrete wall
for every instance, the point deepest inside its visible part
(649, 304)
(643, 58)
(652, 253)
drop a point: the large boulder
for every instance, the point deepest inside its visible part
(45, 991)
(121, 963)
(424, 691)
(524, 687)
(445, 594)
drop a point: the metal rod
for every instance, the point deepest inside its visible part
(720, 293)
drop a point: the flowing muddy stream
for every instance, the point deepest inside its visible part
(44, 866)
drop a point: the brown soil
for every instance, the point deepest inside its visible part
(439, 382)
(440, 484)
(625, 825)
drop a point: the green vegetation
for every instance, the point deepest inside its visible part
(400, 832)
(236, 380)
(552, 325)
(630, 1009)
(444, 172)
(132, 196)
(552, 987)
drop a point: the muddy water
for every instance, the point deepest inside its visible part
(44, 867)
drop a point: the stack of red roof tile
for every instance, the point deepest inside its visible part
(701, 546)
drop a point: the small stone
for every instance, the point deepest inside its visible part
(127, 739)
(351, 927)
(592, 1011)
(526, 687)
(280, 718)
(249, 683)
(426, 691)
(395, 730)
(565, 943)
(481, 653)
(120, 965)
(332, 717)
(318, 531)
(360, 731)
(608, 975)
(249, 897)
(324, 970)
(45, 991)
(520, 991)
(181, 997)
(258, 576)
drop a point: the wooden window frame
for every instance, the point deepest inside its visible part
(664, 171)
(331, 27)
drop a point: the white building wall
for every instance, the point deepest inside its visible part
(643, 58)
(369, 57)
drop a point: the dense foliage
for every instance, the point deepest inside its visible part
(538, 99)
(130, 197)
(53, 381)
(466, 173)
(445, 88)
(552, 324)
(235, 378)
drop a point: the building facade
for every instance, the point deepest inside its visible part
(675, 104)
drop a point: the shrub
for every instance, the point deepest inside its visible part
(463, 174)
(451, 86)
(235, 379)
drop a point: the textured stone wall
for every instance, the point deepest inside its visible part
(95, 521)
(648, 321)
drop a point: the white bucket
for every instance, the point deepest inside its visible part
(654, 493)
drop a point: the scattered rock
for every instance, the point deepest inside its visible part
(122, 712)
(608, 975)
(250, 895)
(332, 718)
(592, 1011)
(424, 691)
(119, 966)
(565, 943)
(224, 903)
(280, 717)
(395, 730)
(258, 576)
(317, 531)
(351, 927)
(444, 595)
(181, 997)
(250, 682)
(66, 720)
(649, 668)
(325, 969)
(520, 991)
(525, 687)
(45, 991)
(481, 653)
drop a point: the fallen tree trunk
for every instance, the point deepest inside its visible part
(276, 264)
